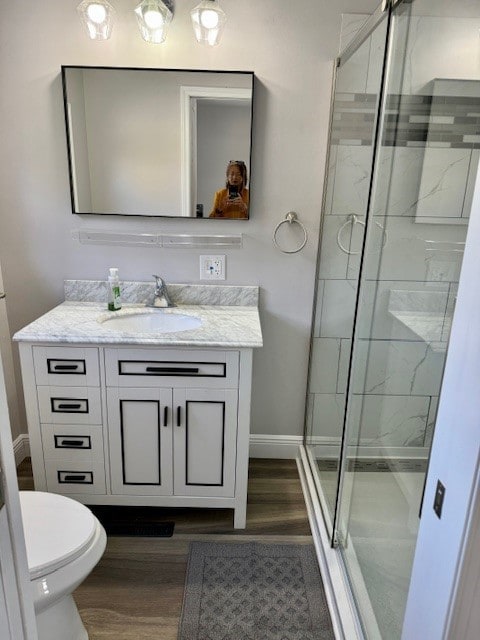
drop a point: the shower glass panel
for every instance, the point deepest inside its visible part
(353, 125)
(425, 169)
(403, 163)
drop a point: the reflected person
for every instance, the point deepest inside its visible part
(232, 201)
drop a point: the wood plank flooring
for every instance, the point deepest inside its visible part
(136, 590)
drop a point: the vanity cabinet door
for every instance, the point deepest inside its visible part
(205, 431)
(140, 441)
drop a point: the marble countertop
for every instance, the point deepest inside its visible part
(84, 322)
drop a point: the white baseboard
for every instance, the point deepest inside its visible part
(21, 448)
(280, 447)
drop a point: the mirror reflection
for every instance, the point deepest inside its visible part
(159, 142)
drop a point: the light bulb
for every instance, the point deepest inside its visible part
(212, 37)
(153, 19)
(96, 13)
(209, 19)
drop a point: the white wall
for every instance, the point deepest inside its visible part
(291, 53)
(444, 543)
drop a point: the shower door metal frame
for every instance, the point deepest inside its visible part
(378, 128)
(382, 12)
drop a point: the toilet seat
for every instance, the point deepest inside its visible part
(57, 530)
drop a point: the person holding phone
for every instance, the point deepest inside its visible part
(232, 201)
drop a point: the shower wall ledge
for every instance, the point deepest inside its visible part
(428, 326)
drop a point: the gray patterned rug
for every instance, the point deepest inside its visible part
(253, 591)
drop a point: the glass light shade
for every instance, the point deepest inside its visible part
(208, 20)
(98, 17)
(153, 18)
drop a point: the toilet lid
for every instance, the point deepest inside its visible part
(57, 530)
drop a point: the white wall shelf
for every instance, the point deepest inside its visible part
(174, 241)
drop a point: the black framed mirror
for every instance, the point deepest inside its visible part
(159, 142)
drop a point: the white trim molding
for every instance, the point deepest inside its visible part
(21, 448)
(269, 446)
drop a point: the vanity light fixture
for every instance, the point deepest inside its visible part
(98, 17)
(153, 18)
(208, 20)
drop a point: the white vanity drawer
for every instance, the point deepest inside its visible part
(75, 405)
(66, 366)
(72, 442)
(171, 368)
(71, 477)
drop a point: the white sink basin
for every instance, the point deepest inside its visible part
(157, 322)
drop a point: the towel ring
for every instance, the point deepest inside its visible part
(353, 220)
(291, 217)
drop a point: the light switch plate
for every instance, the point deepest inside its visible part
(212, 267)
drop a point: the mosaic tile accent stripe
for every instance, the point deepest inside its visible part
(376, 464)
(429, 120)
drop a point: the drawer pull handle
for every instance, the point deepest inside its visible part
(75, 478)
(69, 366)
(174, 370)
(73, 442)
(65, 367)
(165, 416)
(69, 406)
(179, 416)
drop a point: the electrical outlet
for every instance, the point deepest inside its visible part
(212, 267)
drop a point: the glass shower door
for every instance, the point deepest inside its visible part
(425, 169)
(349, 169)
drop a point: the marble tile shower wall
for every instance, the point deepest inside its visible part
(426, 167)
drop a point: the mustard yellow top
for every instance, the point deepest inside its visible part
(223, 207)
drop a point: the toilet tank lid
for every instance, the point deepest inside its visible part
(57, 530)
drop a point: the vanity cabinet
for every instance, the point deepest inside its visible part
(184, 412)
(140, 425)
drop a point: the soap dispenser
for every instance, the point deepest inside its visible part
(114, 301)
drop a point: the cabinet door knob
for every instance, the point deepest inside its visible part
(165, 416)
(179, 416)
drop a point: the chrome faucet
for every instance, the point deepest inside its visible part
(160, 299)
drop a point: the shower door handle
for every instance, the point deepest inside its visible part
(2, 295)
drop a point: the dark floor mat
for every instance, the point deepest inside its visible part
(133, 521)
(248, 591)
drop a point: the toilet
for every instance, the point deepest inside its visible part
(64, 542)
